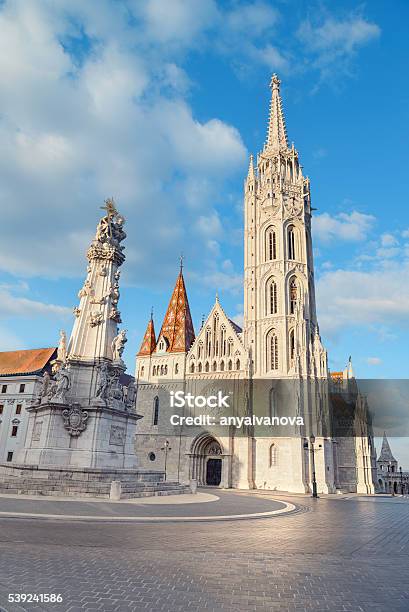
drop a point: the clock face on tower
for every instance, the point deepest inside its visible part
(267, 198)
(292, 205)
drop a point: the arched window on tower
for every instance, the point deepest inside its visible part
(293, 295)
(155, 410)
(272, 351)
(291, 242)
(272, 298)
(273, 455)
(271, 245)
(192, 367)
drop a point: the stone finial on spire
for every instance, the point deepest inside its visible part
(250, 174)
(277, 133)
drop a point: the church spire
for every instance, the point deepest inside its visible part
(386, 453)
(277, 133)
(149, 340)
(177, 328)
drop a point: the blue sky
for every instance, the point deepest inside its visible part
(159, 104)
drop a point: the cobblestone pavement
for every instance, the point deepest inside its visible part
(337, 554)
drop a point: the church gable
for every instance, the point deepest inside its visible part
(218, 346)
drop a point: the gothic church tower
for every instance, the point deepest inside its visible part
(280, 322)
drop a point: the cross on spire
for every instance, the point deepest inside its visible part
(110, 208)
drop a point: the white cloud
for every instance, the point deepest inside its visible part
(270, 56)
(114, 122)
(178, 22)
(375, 299)
(388, 253)
(209, 225)
(252, 19)
(388, 240)
(344, 36)
(333, 42)
(374, 361)
(344, 226)
(9, 341)
(405, 233)
(17, 306)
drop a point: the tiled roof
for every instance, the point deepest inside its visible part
(236, 327)
(25, 362)
(177, 327)
(149, 340)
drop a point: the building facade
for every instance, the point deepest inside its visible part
(21, 375)
(275, 365)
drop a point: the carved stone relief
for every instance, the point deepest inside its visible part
(117, 435)
(75, 419)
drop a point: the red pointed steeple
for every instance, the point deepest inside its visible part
(177, 328)
(149, 340)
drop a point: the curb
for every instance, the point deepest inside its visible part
(287, 509)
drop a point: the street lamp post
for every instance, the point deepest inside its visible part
(166, 448)
(314, 479)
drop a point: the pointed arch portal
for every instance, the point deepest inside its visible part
(208, 461)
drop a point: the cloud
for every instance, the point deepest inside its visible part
(320, 153)
(332, 42)
(179, 22)
(271, 57)
(12, 305)
(374, 361)
(107, 117)
(377, 299)
(345, 226)
(342, 36)
(252, 19)
(388, 240)
(9, 341)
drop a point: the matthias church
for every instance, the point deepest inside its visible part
(276, 362)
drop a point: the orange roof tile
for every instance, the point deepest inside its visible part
(177, 327)
(149, 340)
(25, 362)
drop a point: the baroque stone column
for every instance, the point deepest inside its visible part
(85, 415)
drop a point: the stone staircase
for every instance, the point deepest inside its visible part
(72, 482)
